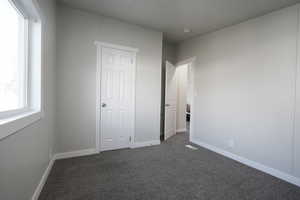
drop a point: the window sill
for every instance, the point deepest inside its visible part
(13, 124)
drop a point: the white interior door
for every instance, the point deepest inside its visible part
(170, 100)
(117, 98)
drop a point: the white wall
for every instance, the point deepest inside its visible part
(76, 80)
(189, 93)
(181, 77)
(24, 156)
(245, 86)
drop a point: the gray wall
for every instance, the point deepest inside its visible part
(245, 87)
(24, 156)
(76, 80)
(169, 52)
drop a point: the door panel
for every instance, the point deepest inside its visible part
(170, 101)
(117, 99)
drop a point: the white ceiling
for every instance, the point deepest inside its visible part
(172, 16)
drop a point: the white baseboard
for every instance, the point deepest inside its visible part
(181, 130)
(42, 182)
(274, 172)
(72, 154)
(145, 144)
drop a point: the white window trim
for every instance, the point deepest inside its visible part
(11, 113)
(14, 124)
(13, 121)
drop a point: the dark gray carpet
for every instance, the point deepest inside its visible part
(168, 171)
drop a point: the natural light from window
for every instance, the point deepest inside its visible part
(12, 58)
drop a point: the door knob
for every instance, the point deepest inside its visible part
(103, 105)
(167, 105)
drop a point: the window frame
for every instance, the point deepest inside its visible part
(14, 120)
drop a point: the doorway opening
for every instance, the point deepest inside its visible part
(183, 105)
(178, 99)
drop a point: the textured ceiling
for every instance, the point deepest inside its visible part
(172, 16)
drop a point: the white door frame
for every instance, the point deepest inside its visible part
(191, 62)
(100, 45)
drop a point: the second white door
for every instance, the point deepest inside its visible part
(117, 98)
(170, 99)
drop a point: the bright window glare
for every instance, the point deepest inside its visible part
(12, 65)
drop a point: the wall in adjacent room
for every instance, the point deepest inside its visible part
(169, 52)
(189, 92)
(76, 92)
(246, 87)
(25, 155)
(182, 88)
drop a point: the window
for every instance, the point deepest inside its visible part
(20, 65)
(13, 62)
